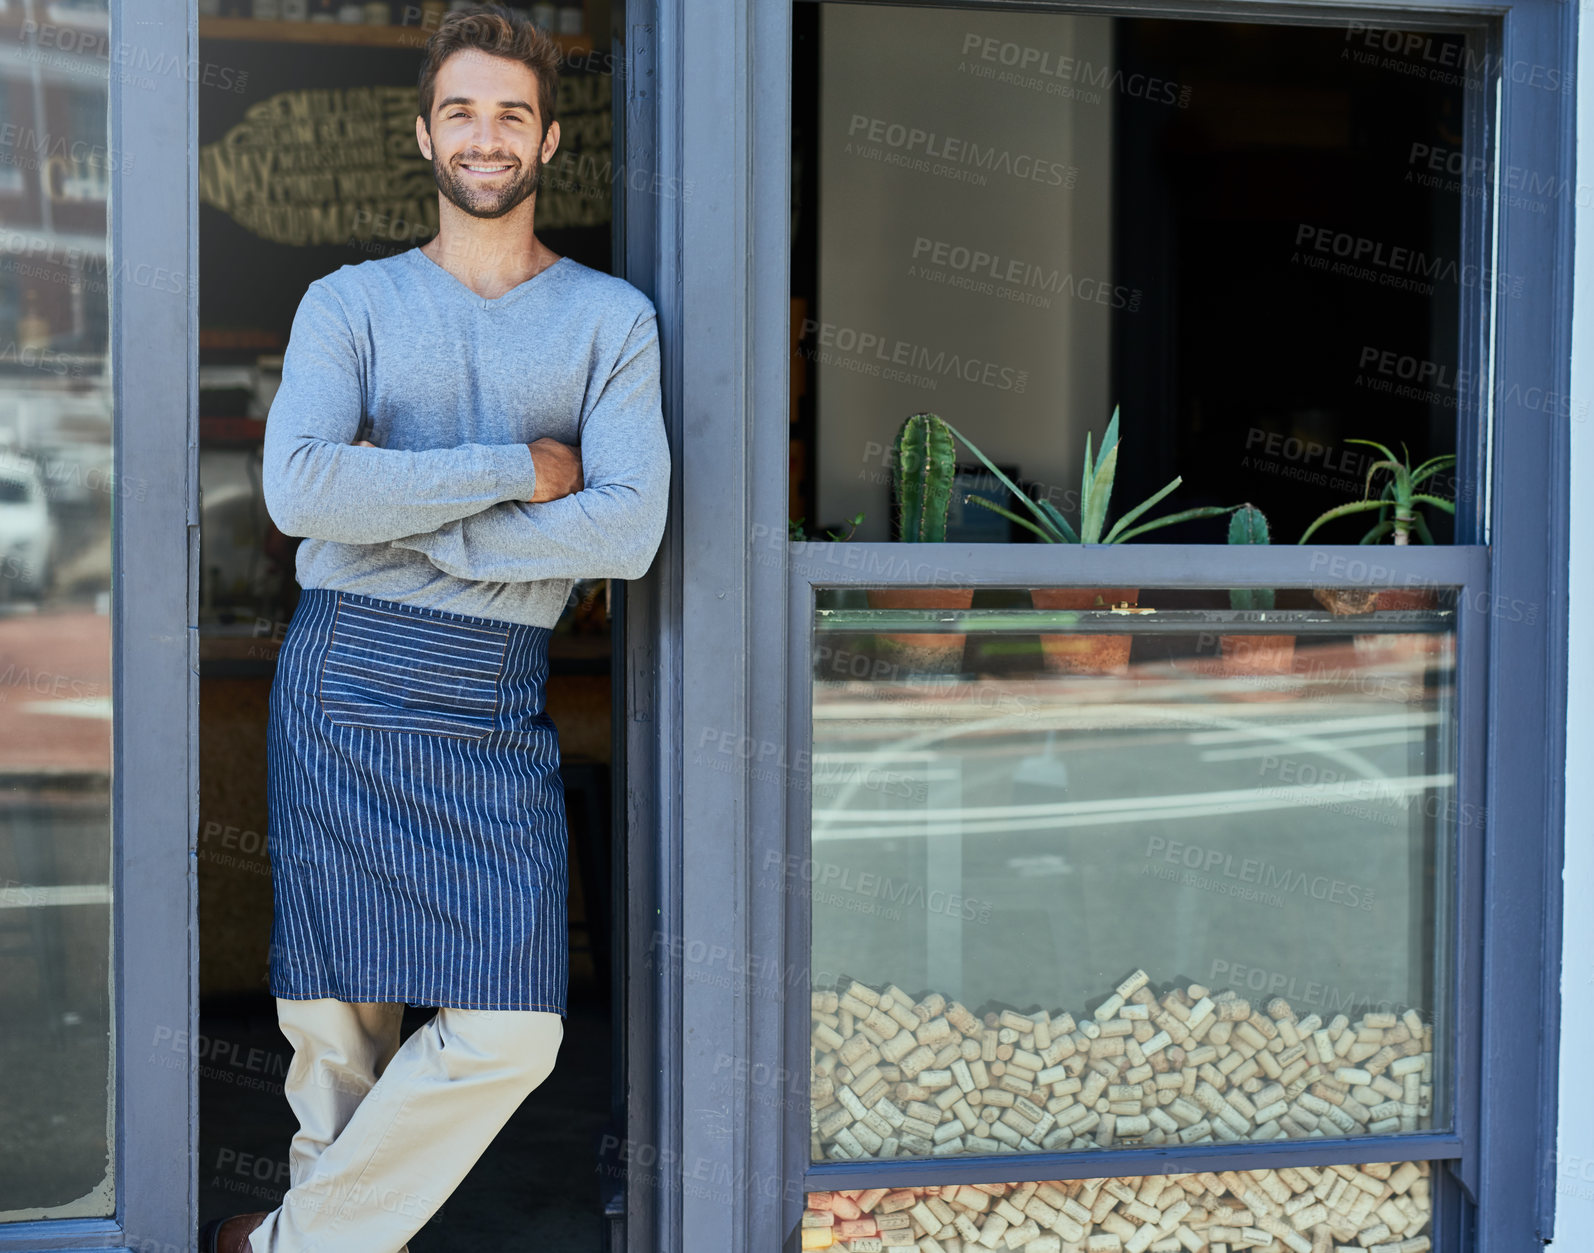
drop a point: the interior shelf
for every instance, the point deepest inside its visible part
(344, 33)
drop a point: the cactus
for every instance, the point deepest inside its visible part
(923, 462)
(1248, 525)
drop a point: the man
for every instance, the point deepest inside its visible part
(462, 430)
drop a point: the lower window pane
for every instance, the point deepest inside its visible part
(1381, 1207)
(1183, 881)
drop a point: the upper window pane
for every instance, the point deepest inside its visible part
(1247, 238)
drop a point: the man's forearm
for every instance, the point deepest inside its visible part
(366, 495)
(607, 532)
(611, 527)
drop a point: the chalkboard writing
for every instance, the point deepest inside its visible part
(321, 166)
(340, 165)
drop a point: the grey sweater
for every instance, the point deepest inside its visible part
(452, 387)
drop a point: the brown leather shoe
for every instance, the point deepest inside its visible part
(230, 1235)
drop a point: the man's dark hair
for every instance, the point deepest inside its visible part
(493, 29)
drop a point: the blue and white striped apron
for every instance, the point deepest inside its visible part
(416, 816)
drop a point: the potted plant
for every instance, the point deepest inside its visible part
(1254, 654)
(923, 464)
(1399, 507)
(1400, 517)
(1092, 654)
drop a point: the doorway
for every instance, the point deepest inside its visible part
(290, 103)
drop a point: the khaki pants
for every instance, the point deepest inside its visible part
(386, 1133)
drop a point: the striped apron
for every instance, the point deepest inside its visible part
(416, 817)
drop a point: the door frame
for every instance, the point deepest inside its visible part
(155, 365)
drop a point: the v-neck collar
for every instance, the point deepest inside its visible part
(485, 302)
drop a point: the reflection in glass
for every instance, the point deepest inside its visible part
(1188, 892)
(1377, 1205)
(56, 491)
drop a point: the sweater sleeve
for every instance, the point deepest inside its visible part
(611, 528)
(317, 483)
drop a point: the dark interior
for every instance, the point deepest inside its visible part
(308, 163)
(1271, 155)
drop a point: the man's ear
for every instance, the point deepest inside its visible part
(550, 142)
(423, 137)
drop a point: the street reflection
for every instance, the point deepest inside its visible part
(1023, 840)
(57, 490)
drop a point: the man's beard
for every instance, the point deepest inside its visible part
(477, 201)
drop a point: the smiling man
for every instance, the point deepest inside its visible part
(462, 431)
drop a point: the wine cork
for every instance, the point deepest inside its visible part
(1377, 1206)
(1187, 1065)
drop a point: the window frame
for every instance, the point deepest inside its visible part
(717, 626)
(1462, 567)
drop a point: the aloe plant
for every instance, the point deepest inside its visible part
(923, 465)
(1095, 493)
(1248, 525)
(1397, 504)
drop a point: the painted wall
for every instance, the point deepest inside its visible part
(1574, 1211)
(934, 293)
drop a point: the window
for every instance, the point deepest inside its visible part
(59, 479)
(1155, 847)
(1152, 878)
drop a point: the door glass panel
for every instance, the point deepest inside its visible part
(57, 487)
(1383, 1206)
(1158, 872)
(1245, 237)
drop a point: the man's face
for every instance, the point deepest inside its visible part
(486, 142)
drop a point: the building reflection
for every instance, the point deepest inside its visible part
(58, 486)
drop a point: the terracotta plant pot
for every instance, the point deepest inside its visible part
(1341, 601)
(1257, 654)
(1085, 654)
(1407, 598)
(921, 653)
(1381, 648)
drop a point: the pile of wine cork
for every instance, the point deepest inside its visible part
(1375, 1208)
(898, 1076)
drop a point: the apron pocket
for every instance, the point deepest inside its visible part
(393, 671)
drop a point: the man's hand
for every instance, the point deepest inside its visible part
(558, 470)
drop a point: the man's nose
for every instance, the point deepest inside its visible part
(488, 136)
